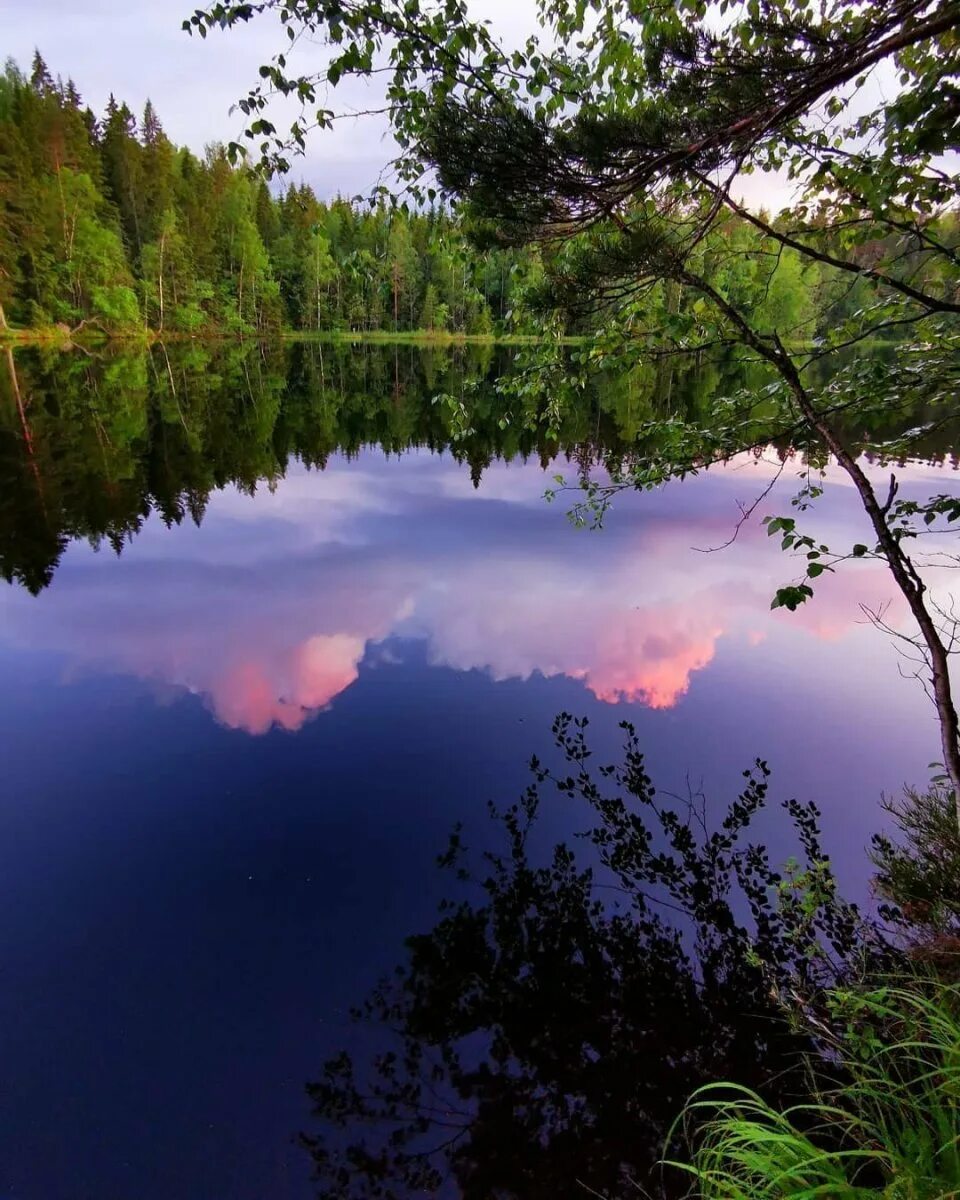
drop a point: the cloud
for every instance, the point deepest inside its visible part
(649, 657)
(256, 695)
(268, 611)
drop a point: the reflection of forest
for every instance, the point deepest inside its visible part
(91, 445)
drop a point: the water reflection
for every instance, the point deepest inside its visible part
(271, 616)
(190, 910)
(269, 613)
(91, 445)
(542, 1038)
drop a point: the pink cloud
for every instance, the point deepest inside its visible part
(257, 695)
(650, 657)
(835, 608)
(634, 621)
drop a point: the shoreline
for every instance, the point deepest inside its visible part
(62, 338)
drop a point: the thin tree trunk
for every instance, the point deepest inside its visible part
(911, 586)
(908, 581)
(67, 238)
(25, 426)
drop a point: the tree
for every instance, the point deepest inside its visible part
(319, 272)
(402, 259)
(123, 170)
(40, 78)
(157, 175)
(428, 314)
(150, 127)
(544, 1034)
(615, 138)
(172, 294)
(249, 290)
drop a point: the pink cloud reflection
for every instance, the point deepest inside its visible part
(254, 695)
(648, 658)
(634, 618)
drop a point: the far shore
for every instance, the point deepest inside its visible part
(59, 336)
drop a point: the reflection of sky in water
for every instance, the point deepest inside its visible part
(268, 611)
(189, 910)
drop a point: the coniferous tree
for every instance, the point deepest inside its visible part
(107, 222)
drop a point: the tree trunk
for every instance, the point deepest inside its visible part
(25, 426)
(911, 586)
(908, 581)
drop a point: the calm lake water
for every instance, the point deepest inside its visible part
(267, 635)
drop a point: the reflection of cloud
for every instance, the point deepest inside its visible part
(620, 651)
(255, 696)
(650, 656)
(836, 605)
(268, 610)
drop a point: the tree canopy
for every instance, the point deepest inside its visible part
(105, 222)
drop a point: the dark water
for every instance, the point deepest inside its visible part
(268, 634)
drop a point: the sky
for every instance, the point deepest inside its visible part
(138, 50)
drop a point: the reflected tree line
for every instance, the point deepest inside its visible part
(91, 445)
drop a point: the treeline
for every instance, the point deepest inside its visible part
(799, 295)
(92, 444)
(105, 221)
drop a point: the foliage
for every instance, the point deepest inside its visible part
(106, 221)
(543, 1035)
(890, 1129)
(919, 872)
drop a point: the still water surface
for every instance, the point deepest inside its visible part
(233, 748)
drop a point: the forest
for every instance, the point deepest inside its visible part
(107, 226)
(104, 221)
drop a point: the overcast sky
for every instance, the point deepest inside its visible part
(137, 49)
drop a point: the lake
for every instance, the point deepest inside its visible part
(270, 629)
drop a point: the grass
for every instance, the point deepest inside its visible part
(891, 1129)
(53, 335)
